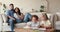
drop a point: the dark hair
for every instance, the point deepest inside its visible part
(11, 4)
(18, 11)
(35, 17)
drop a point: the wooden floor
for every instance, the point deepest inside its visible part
(21, 30)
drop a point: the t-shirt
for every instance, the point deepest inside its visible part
(16, 16)
(45, 23)
(10, 13)
(33, 24)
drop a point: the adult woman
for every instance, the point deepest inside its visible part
(18, 15)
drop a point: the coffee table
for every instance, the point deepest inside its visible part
(27, 30)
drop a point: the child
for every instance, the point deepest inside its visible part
(45, 23)
(34, 22)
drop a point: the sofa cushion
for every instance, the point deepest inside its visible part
(1, 22)
(40, 13)
(4, 18)
(58, 14)
(57, 25)
(20, 25)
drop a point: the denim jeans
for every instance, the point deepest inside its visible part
(12, 22)
(27, 17)
(18, 21)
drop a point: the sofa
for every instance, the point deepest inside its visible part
(57, 22)
(18, 25)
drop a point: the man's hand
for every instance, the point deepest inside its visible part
(13, 18)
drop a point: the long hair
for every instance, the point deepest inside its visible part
(18, 11)
(46, 16)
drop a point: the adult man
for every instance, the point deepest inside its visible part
(10, 15)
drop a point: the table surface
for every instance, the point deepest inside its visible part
(26, 30)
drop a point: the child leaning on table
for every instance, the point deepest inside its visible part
(34, 22)
(45, 23)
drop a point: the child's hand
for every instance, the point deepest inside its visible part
(42, 26)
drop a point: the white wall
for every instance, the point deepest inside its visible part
(26, 5)
(54, 6)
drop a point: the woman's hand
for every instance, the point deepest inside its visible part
(21, 16)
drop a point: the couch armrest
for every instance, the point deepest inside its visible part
(4, 18)
(1, 22)
(57, 25)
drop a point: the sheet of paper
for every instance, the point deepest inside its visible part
(26, 27)
(42, 29)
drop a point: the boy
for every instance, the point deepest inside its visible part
(34, 22)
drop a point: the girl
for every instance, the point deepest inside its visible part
(45, 23)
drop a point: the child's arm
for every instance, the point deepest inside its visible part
(49, 27)
(29, 24)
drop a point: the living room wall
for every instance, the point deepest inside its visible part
(54, 6)
(26, 5)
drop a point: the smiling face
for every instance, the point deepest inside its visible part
(34, 19)
(11, 6)
(16, 10)
(44, 17)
